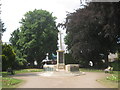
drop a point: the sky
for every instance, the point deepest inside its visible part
(13, 11)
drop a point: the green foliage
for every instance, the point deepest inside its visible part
(20, 61)
(5, 74)
(116, 65)
(8, 82)
(36, 36)
(119, 56)
(28, 70)
(4, 60)
(92, 31)
(8, 56)
(69, 59)
(2, 29)
(113, 78)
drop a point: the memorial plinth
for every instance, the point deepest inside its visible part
(72, 68)
(60, 60)
(49, 67)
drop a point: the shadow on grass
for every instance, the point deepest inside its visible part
(26, 74)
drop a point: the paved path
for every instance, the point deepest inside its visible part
(34, 80)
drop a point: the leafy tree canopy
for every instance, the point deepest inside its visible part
(36, 36)
(8, 56)
(93, 30)
(2, 29)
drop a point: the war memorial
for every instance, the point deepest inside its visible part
(60, 69)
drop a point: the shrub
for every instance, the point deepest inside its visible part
(69, 59)
(116, 65)
(8, 56)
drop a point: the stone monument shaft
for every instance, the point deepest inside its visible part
(60, 40)
(60, 54)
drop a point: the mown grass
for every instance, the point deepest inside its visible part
(108, 83)
(9, 82)
(0, 82)
(4, 74)
(111, 80)
(28, 70)
(90, 70)
(115, 76)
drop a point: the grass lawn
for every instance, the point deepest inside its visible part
(0, 83)
(108, 83)
(9, 82)
(28, 70)
(90, 70)
(111, 80)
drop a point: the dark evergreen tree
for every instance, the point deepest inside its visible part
(93, 31)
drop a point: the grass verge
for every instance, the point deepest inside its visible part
(114, 77)
(9, 82)
(90, 70)
(108, 83)
(112, 80)
(28, 70)
(4, 74)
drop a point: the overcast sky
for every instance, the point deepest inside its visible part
(14, 10)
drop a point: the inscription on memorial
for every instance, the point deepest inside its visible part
(60, 57)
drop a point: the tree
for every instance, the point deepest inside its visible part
(8, 56)
(2, 29)
(36, 36)
(92, 31)
(20, 59)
